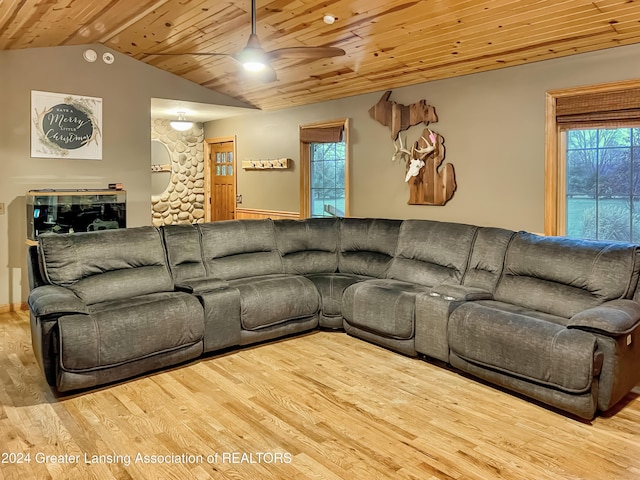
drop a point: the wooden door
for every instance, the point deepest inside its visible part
(223, 181)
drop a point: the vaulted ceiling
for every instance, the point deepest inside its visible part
(388, 43)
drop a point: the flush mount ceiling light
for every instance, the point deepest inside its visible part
(181, 124)
(329, 19)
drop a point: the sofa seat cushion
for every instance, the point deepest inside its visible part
(272, 299)
(331, 286)
(528, 312)
(382, 306)
(123, 331)
(533, 347)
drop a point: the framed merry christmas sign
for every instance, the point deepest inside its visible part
(65, 126)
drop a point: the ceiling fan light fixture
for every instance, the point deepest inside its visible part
(182, 124)
(252, 59)
(258, 62)
(253, 66)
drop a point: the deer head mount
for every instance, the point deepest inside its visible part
(435, 181)
(430, 183)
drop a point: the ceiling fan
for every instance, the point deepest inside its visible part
(255, 59)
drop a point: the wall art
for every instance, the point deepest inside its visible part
(430, 180)
(66, 126)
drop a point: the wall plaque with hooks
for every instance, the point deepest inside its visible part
(266, 164)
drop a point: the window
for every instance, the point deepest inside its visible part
(592, 178)
(327, 163)
(603, 183)
(324, 186)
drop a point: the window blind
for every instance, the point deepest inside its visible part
(601, 108)
(331, 134)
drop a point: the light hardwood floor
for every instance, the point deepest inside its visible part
(318, 406)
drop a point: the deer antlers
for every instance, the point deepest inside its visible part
(401, 151)
(414, 157)
(429, 148)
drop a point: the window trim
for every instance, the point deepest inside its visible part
(555, 169)
(305, 167)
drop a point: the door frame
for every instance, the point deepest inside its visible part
(208, 169)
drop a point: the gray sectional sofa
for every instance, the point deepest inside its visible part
(551, 318)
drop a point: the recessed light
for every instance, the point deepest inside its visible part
(329, 19)
(108, 58)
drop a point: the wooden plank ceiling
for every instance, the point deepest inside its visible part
(389, 43)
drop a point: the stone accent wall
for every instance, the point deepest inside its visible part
(183, 199)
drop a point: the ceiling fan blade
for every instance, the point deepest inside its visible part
(305, 52)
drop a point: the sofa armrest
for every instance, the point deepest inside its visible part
(614, 318)
(453, 292)
(53, 299)
(200, 285)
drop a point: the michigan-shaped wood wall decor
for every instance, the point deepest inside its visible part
(434, 183)
(399, 117)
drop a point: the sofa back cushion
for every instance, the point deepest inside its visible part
(563, 276)
(106, 265)
(184, 252)
(431, 252)
(367, 245)
(487, 258)
(308, 246)
(240, 248)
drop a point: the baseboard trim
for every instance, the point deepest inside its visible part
(252, 213)
(14, 307)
